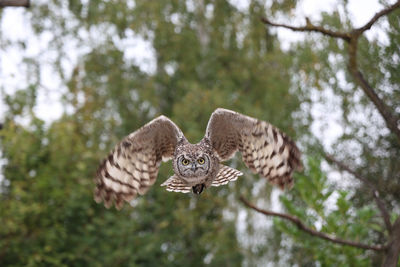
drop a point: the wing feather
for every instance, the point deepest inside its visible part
(265, 149)
(175, 184)
(225, 175)
(132, 166)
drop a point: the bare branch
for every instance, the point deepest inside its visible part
(310, 28)
(390, 120)
(14, 3)
(377, 16)
(379, 203)
(310, 231)
(352, 38)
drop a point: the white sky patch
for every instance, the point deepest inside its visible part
(9, 71)
(138, 50)
(14, 74)
(363, 11)
(16, 27)
(326, 117)
(312, 9)
(241, 5)
(308, 8)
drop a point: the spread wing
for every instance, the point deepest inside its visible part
(265, 149)
(132, 166)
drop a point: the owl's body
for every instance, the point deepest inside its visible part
(132, 167)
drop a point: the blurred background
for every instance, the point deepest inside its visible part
(77, 76)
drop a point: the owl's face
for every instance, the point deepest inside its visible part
(195, 164)
(194, 161)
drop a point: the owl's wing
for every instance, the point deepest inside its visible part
(265, 149)
(132, 166)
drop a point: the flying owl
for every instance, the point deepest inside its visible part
(132, 167)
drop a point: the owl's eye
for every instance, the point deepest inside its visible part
(201, 161)
(185, 162)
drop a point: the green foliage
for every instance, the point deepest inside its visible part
(48, 213)
(223, 59)
(330, 211)
(208, 54)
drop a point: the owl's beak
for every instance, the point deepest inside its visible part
(194, 167)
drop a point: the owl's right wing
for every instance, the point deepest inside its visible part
(264, 148)
(132, 166)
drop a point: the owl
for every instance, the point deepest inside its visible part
(132, 166)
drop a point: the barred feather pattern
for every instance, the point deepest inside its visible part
(225, 175)
(123, 175)
(175, 184)
(265, 149)
(132, 166)
(269, 152)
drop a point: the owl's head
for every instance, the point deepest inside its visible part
(193, 161)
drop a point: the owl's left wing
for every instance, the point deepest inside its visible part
(265, 149)
(132, 166)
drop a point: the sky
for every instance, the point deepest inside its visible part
(15, 26)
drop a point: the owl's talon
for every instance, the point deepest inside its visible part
(197, 189)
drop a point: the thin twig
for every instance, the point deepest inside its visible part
(377, 16)
(384, 213)
(310, 231)
(310, 28)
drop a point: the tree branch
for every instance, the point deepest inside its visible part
(310, 231)
(14, 3)
(310, 28)
(390, 120)
(352, 37)
(377, 16)
(379, 203)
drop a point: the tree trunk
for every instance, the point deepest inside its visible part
(392, 256)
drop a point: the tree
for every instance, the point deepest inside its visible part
(357, 215)
(47, 211)
(203, 55)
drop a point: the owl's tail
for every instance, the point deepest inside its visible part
(175, 184)
(225, 175)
